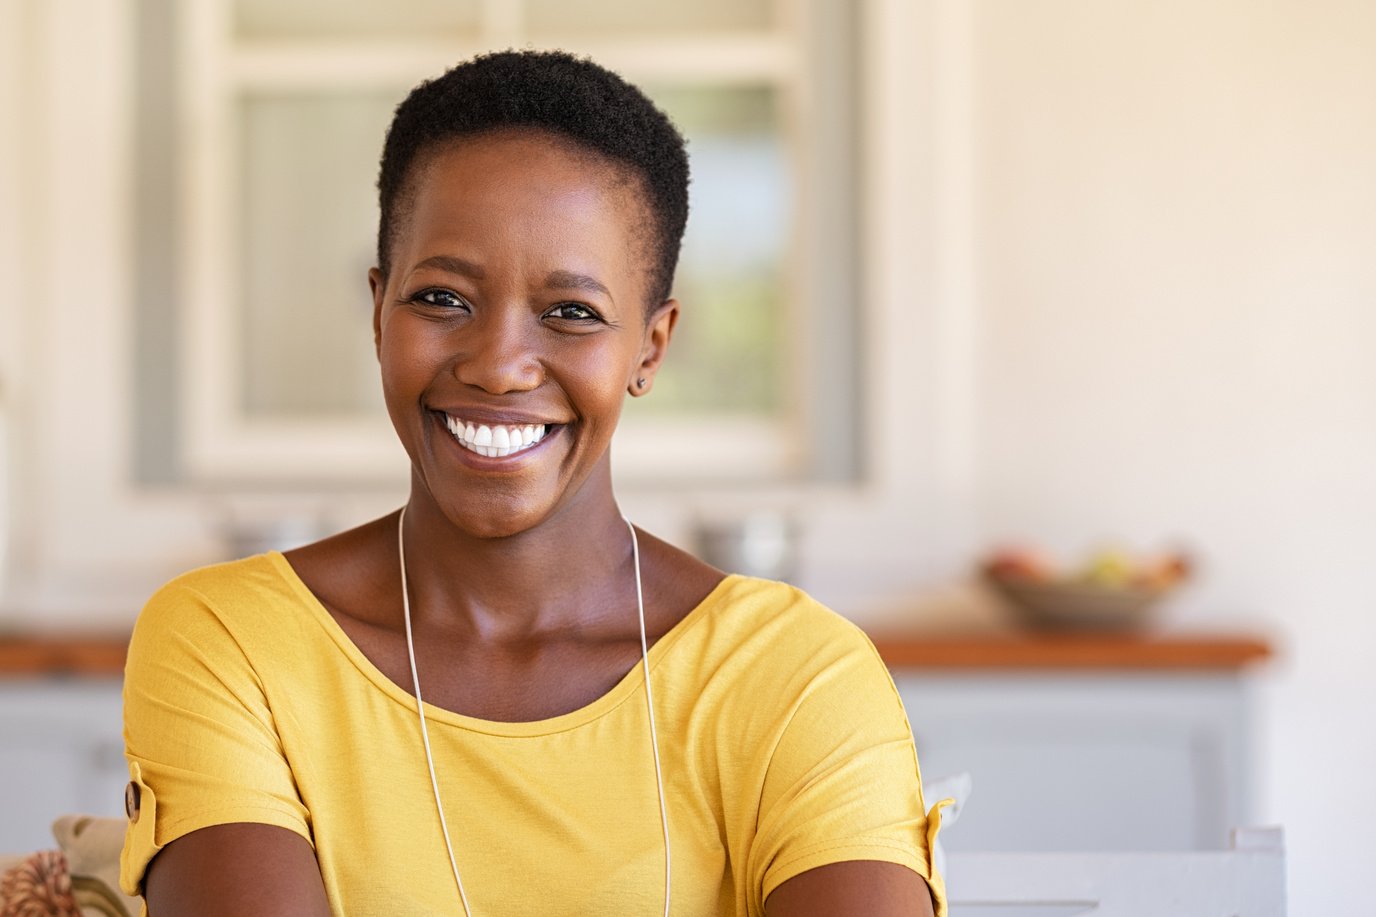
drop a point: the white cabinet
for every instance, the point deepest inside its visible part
(1086, 761)
(61, 751)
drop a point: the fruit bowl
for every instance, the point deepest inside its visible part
(1074, 605)
(1111, 592)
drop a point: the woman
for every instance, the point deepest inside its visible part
(532, 207)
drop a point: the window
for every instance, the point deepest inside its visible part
(281, 117)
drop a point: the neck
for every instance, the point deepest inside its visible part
(571, 571)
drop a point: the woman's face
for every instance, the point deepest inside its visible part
(512, 325)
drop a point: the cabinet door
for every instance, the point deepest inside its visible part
(62, 752)
(1092, 762)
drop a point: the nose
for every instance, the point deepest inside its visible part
(498, 354)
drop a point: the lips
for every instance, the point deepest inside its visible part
(495, 440)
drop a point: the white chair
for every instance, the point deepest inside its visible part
(1247, 880)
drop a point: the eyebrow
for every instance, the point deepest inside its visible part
(453, 266)
(556, 280)
(568, 280)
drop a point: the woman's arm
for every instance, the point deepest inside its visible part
(236, 869)
(842, 825)
(217, 825)
(859, 887)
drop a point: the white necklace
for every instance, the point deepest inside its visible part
(425, 735)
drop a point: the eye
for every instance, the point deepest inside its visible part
(573, 312)
(440, 298)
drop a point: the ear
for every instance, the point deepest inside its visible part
(658, 330)
(378, 284)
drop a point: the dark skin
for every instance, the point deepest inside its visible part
(520, 569)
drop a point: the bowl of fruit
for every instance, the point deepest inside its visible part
(1112, 590)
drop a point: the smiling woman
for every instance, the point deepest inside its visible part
(607, 724)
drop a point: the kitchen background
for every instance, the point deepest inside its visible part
(965, 272)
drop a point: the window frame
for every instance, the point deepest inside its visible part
(218, 440)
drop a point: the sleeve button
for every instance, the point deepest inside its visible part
(131, 801)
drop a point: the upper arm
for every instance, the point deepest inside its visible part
(841, 807)
(236, 869)
(859, 887)
(200, 735)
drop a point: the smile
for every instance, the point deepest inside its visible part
(497, 440)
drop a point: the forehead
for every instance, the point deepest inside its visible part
(526, 145)
(525, 183)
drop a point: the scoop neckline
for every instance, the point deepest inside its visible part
(618, 694)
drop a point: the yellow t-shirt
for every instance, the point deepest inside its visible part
(784, 747)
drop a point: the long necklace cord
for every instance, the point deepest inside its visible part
(420, 711)
(425, 735)
(650, 706)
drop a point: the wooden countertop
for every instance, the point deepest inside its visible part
(1073, 651)
(81, 655)
(97, 655)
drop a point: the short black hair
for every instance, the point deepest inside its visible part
(553, 91)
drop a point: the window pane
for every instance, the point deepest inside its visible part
(642, 17)
(728, 352)
(307, 236)
(362, 19)
(309, 217)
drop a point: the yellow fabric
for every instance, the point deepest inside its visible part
(783, 741)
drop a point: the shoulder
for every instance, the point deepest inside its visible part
(238, 583)
(784, 619)
(243, 601)
(770, 644)
(237, 630)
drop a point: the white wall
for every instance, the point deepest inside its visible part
(1174, 326)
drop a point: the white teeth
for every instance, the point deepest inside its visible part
(495, 441)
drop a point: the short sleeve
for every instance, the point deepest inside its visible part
(843, 782)
(199, 734)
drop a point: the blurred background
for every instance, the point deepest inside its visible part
(959, 274)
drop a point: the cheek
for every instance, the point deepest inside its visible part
(602, 377)
(406, 361)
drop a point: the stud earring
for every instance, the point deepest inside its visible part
(640, 383)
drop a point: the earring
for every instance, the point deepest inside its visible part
(640, 383)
